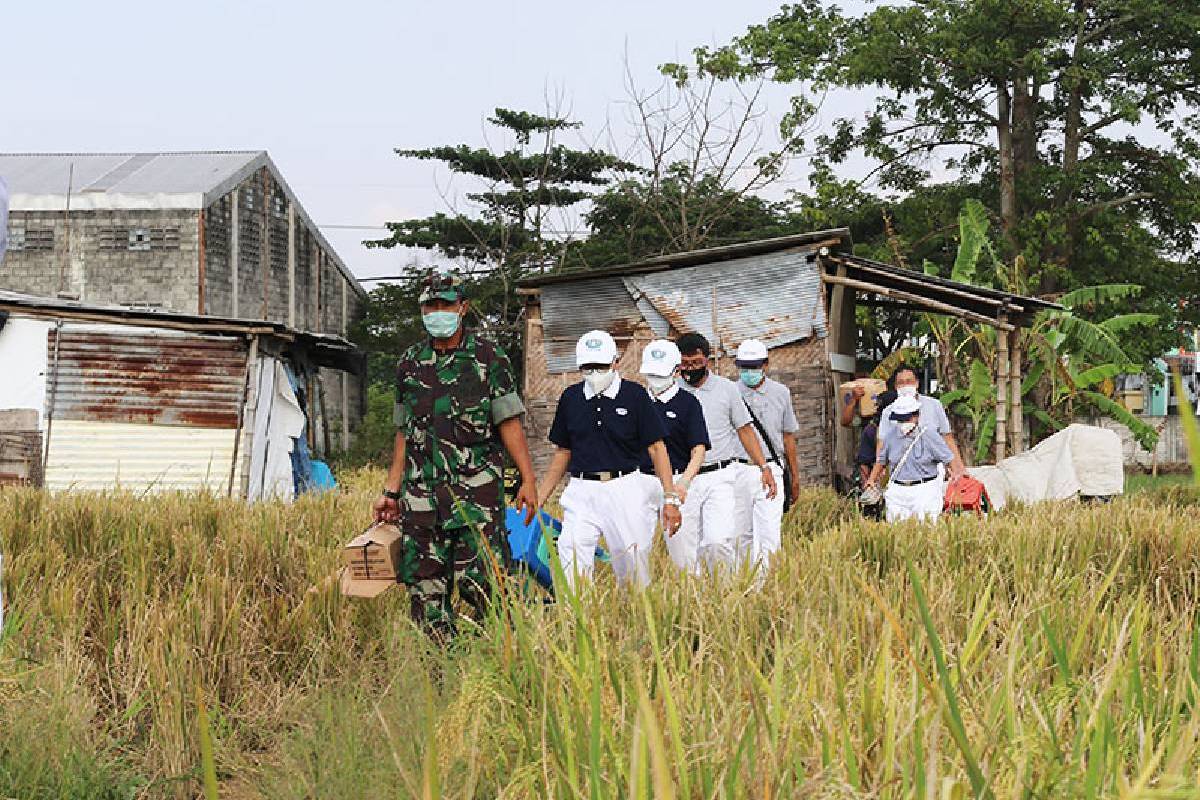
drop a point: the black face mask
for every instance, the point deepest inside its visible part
(694, 376)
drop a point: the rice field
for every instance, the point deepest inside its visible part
(178, 647)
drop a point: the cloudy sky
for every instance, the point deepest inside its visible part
(330, 88)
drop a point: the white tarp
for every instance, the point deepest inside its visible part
(1081, 460)
(278, 421)
(23, 353)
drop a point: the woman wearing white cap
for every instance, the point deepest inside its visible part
(912, 454)
(681, 415)
(603, 426)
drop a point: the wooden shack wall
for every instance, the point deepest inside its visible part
(801, 366)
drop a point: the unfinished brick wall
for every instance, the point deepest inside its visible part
(800, 366)
(120, 257)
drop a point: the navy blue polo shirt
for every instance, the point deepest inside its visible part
(608, 432)
(683, 417)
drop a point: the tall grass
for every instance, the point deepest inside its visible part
(1050, 652)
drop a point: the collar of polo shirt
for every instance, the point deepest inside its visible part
(610, 392)
(666, 396)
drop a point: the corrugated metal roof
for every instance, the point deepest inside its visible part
(837, 239)
(141, 182)
(328, 350)
(163, 378)
(94, 456)
(571, 310)
(775, 298)
(115, 180)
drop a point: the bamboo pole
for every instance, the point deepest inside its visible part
(1016, 406)
(1002, 367)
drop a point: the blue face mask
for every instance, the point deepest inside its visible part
(441, 324)
(752, 377)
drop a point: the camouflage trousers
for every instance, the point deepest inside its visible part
(452, 539)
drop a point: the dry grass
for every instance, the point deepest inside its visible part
(1050, 652)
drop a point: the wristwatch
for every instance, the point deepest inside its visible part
(390, 495)
(672, 500)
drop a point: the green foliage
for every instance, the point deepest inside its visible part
(1027, 105)
(506, 236)
(376, 434)
(641, 217)
(1145, 434)
(1190, 429)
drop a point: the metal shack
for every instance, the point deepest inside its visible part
(798, 294)
(96, 397)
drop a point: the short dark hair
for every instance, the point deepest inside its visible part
(896, 374)
(691, 342)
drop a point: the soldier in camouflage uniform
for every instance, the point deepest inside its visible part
(456, 406)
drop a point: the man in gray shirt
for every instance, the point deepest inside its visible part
(911, 453)
(759, 517)
(707, 530)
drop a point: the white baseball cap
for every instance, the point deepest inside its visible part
(595, 347)
(751, 351)
(905, 405)
(660, 358)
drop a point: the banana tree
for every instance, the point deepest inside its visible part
(1069, 362)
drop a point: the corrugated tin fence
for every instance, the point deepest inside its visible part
(146, 411)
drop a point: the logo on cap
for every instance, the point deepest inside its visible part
(593, 344)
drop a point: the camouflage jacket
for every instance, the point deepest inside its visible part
(448, 405)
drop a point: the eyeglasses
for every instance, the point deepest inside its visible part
(591, 369)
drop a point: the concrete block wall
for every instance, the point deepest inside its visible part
(98, 266)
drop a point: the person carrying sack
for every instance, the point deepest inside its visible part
(911, 452)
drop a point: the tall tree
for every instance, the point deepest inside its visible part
(513, 225)
(1076, 120)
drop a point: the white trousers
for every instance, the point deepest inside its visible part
(923, 501)
(757, 519)
(705, 538)
(622, 511)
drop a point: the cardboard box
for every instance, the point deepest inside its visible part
(872, 388)
(370, 561)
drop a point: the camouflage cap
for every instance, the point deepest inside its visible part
(442, 286)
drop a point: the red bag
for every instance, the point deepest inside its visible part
(966, 494)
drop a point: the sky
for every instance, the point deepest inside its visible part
(329, 89)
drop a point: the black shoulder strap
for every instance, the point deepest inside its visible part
(762, 432)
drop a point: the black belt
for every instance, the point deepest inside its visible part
(916, 482)
(602, 476)
(716, 465)
(752, 464)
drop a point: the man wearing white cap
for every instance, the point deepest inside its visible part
(681, 415)
(912, 453)
(602, 427)
(706, 537)
(759, 517)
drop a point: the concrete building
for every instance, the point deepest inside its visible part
(200, 233)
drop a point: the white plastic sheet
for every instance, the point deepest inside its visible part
(1081, 460)
(278, 420)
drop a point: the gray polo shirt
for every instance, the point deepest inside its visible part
(724, 413)
(771, 402)
(930, 450)
(932, 416)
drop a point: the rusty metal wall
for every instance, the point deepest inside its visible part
(156, 377)
(570, 310)
(775, 298)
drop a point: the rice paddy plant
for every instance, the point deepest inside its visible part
(1048, 652)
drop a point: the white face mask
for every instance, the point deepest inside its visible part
(599, 381)
(906, 391)
(659, 384)
(907, 427)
